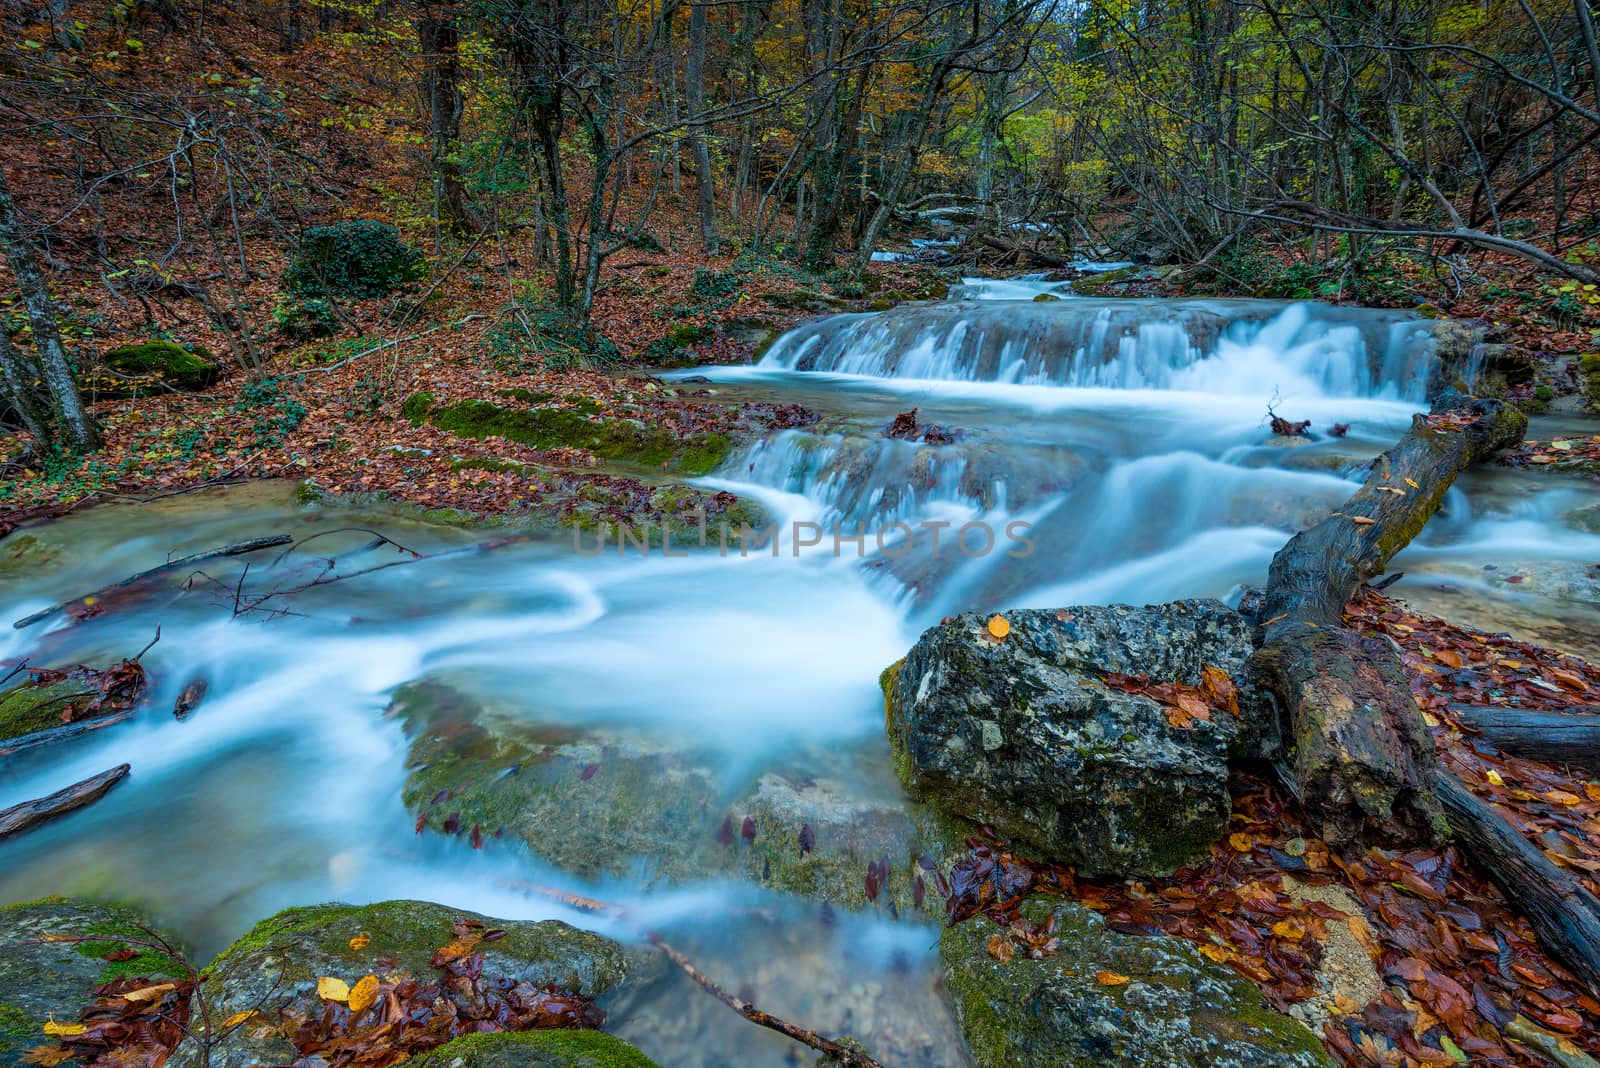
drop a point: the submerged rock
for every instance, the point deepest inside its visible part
(1107, 1000)
(536, 1049)
(274, 968)
(609, 802)
(1023, 733)
(54, 953)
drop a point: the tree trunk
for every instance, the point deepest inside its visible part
(695, 87)
(55, 371)
(1362, 756)
(1570, 737)
(440, 41)
(20, 381)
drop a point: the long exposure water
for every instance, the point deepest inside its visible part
(1128, 439)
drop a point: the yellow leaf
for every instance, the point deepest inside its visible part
(1241, 843)
(238, 1018)
(1000, 948)
(361, 941)
(1362, 521)
(1412, 483)
(1494, 778)
(63, 1030)
(149, 993)
(1561, 797)
(1216, 953)
(1291, 932)
(1110, 978)
(1592, 790)
(999, 627)
(331, 989)
(363, 994)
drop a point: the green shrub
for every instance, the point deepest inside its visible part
(302, 318)
(273, 414)
(540, 338)
(353, 259)
(712, 284)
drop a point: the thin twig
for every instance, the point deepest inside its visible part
(140, 654)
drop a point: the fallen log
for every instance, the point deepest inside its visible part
(1360, 754)
(88, 601)
(65, 732)
(30, 814)
(1570, 737)
(1564, 914)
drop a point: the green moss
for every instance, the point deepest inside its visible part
(1589, 369)
(16, 1024)
(416, 407)
(123, 934)
(157, 358)
(611, 439)
(526, 396)
(1045, 298)
(536, 1049)
(487, 463)
(291, 921)
(30, 707)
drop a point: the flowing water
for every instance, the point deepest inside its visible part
(1112, 451)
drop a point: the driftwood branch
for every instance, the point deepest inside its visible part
(1361, 753)
(843, 1054)
(851, 1058)
(30, 814)
(89, 599)
(64, 733)
(1570, 737)
(1564, 914)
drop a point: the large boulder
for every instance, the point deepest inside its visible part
(607, 802)
(1108, 1000)
(55, 952)
(1022, 731)
(273, 971)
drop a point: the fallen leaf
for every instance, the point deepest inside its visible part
(1000, 948)
(360, 941)
(1111, 978)
(332, 989)
(1241, 843)
(150, 993)
(63, 1030)
(49, 1056)
(238, 1018)
(1216, 953)
(999, 627)
(1362, 521)
(364, 994)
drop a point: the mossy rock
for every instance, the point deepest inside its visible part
(1586, 519)
(1589, 370)
(622, 440)
(1046, 298)
(604, 803)
(150, 367)
(52, 980)
(274, 968)
(28, 553)
(1176, 1009)
(806, 300)
(536, 1049)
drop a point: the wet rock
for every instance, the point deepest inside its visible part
(275, 967)
(52, 980)
(1024, 734)
(1176, 1009)
(536, 1049)
(1586, 519)
(608, 802)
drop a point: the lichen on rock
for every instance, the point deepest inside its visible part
(1108, 1000)
(1024, 734)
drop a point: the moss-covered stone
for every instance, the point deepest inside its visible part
(607, 802)
(536, 1049)
(53, 979)
(275, 966)
(148, 367)
(1176, 1009)
(416, 407)
(623, 440)
(1589, 372)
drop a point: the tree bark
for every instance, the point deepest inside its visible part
(1361, 756)
(695, 88)
(56, 371)
(1564, 914)
(30, 814)
(440, 41)
(19, 382)
(1571, 737)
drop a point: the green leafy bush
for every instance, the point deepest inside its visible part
(353, 259)
(540, 338)
(273, 414)
(305, 318)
